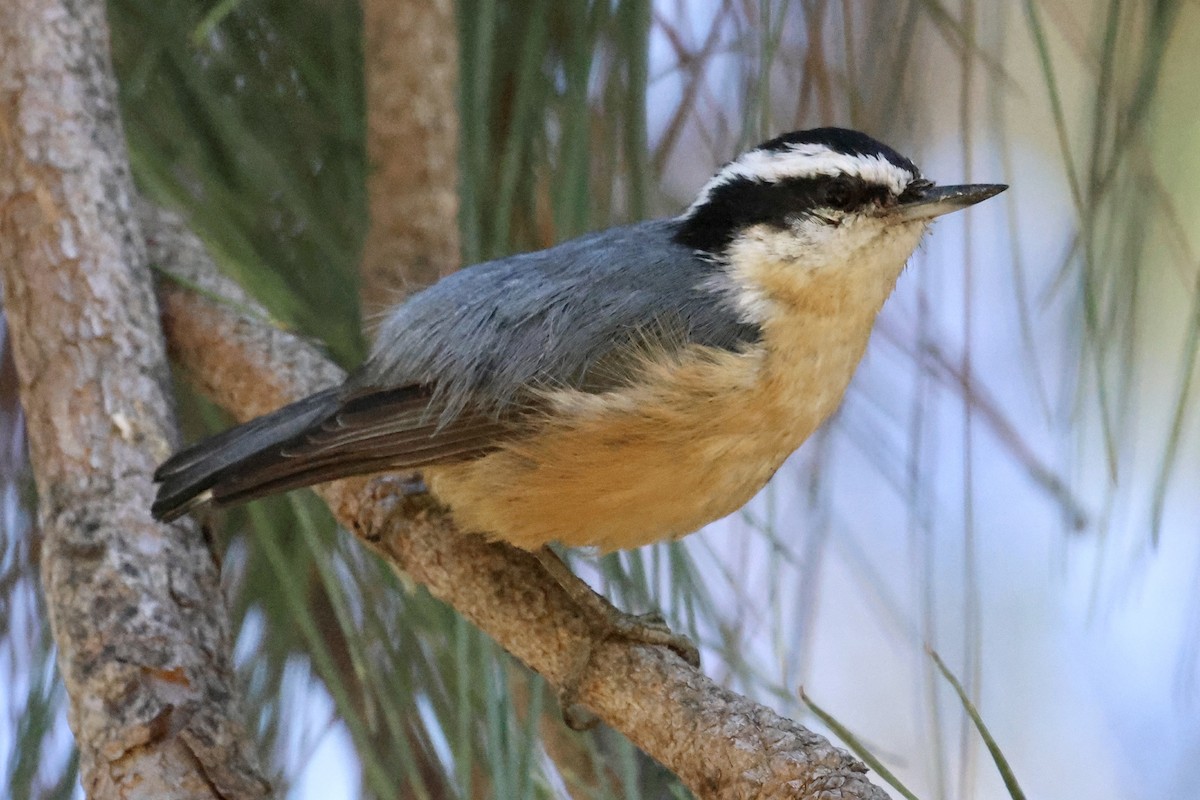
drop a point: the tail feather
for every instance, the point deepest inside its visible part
(330, 435)
(188, 478)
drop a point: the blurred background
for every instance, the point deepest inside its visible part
(1013, 480)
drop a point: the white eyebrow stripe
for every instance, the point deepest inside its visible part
(806, 161)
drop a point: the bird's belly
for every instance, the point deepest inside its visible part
(607, 487)
(694, 437)
(628, 468)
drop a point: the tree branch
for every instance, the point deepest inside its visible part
(143, 640)
(719, 743)
(410, 55)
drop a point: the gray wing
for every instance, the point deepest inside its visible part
(453, 366)
(565, 317)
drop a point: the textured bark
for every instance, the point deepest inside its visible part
(411, 60)
(143, 640)
(719, 743)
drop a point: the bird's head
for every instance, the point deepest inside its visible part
(821, 198)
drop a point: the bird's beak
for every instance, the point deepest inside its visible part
(933, 201)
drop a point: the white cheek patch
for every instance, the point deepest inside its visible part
(806, 161)
(746, 297)
(860, 251)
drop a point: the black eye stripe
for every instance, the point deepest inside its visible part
(845, 194)
(839, 195)
(742, 202)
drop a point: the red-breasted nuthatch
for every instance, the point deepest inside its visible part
(623, 387)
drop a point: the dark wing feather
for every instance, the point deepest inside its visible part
(388, 429)
(331, 435)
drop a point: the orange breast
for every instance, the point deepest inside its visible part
(695, 439)
(624, 469)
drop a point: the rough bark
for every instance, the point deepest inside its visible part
(143, 640)
(720, 744)
(411, 61)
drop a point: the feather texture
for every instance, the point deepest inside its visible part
(573, 316)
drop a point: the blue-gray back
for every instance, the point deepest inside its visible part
(568, 316)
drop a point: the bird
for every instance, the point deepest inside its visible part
(624, 387)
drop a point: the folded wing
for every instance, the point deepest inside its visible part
(330, 435)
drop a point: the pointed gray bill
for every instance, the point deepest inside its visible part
(937, 200)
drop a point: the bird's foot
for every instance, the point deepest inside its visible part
(608, 622)
(650, 629)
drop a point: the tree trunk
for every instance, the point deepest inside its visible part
(135, 607)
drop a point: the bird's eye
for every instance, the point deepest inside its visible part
(839, 195)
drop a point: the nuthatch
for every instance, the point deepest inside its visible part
(622, 387)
